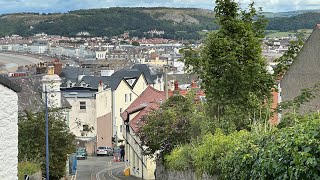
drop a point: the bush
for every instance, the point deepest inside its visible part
(180, 158)
(27, 168)
(204, 156)
(287, 153)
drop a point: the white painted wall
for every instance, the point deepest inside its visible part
(85, 116)
(8, 134)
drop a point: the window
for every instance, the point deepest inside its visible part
(83, 105)
(130, 97)
(125, 97)
(85, 127)
(120, 128)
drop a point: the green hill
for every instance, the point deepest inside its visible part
(111, 21)
(177, 23)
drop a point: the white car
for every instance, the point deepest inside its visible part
(104, 150)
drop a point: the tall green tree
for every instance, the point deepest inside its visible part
(32, 146)
(230, 63)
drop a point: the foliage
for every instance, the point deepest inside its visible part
(302, 21)
(135, 43)
(105, 22)
(230, 64)
(204, 155)
(32, 141)
(27, 168)
(174, 123)
(289, 153)
(180, 158)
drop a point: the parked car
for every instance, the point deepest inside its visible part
(104, 150)
(81, 153)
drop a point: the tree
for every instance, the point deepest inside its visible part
(231, 65)
(176, 122)
(288, 57)
(135, 43)
(32, 141)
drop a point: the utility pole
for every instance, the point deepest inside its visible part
(47, 135)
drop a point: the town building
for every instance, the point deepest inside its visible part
(9, 129)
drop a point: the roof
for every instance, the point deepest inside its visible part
(127, 73)
(150, 74)
(111, 82)
(70, 72)
(147, 101)
(9, 84)
(30, 97)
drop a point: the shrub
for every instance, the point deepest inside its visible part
(180, 158)
(287, 153)
(27, 168)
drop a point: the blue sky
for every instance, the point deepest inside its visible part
(12, 6)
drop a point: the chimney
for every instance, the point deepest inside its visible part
(50, 70)
(176, 87)
(193, 85)
(100, 87)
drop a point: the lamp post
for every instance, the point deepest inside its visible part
(47, 134)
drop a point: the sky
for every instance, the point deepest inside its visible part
(51, 6)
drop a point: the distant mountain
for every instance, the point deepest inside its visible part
(302, 21)
(177, 23)
(289, 13)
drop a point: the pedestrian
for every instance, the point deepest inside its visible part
(122, 153)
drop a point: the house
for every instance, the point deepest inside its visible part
(150, 99)
(31, 97)
(90, 116)
(153, 78)
(8, 129)
(303, 73)
(140, 165)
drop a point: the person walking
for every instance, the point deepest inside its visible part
(122, 153)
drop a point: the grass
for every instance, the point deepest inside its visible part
(276, 33)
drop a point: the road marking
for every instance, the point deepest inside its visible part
(110, 173)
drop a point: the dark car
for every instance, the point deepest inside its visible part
(81, 153)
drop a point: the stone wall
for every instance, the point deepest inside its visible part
(8, 134)
(36, 176)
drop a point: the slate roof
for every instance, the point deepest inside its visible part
(72, 73)
(127, 73)
(111, 82)
(136, 70)
(148, 71)
(9, 84)
(30, 97)
(149, 100)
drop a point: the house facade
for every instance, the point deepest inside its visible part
(90, 118)
(304, 73)
(8, 129)
(140, 165)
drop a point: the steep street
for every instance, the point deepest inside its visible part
(101, 168)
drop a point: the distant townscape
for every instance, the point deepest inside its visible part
(102, 72)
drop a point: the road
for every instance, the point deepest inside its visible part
(101, 168)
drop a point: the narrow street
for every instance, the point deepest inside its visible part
(101, 168)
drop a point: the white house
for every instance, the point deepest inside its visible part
(8, 129)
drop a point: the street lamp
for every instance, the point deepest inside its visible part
(47, 134)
